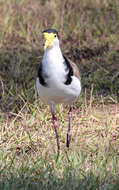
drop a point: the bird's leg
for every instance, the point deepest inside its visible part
(69, 128)
(57, 137)
(55, 127)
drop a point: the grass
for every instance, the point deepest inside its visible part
(28, 148)
(28, 152)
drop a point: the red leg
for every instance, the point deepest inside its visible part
(55, 127)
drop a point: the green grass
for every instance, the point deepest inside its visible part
(28, 153)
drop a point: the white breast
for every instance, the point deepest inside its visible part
(57, 91)
(53, 66)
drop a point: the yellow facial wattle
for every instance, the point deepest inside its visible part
(49, 37)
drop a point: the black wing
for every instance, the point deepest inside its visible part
(70, 71)
(41, 76)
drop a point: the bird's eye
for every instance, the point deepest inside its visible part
(55, 35)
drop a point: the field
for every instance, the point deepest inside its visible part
(89, 33)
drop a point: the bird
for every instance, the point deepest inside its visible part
(58, 80)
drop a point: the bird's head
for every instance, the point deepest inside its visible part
(51, 38)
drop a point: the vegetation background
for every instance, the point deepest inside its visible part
(89, 33)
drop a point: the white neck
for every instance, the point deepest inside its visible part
(53, 55)
(53, 63)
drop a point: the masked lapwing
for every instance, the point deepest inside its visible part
(58, 80)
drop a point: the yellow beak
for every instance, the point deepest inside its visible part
(49, 37)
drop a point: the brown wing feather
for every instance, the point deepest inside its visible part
(75, 69)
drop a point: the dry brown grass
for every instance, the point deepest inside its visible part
(21, 23)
